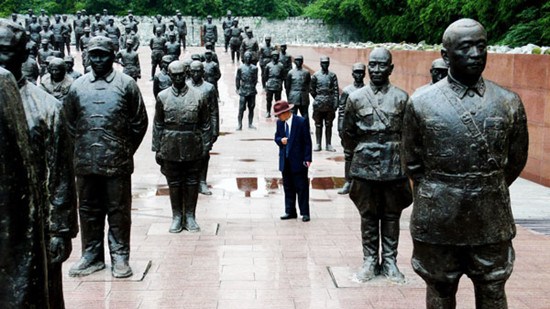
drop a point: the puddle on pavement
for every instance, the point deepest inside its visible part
(223, 133)
(256, 139)
(264, 186)
(247, 160)
(214, 153)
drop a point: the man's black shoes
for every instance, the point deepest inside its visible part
(288, 217)
(305, 218)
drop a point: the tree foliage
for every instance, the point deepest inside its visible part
(511, 22)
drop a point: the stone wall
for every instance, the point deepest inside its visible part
(527, 75)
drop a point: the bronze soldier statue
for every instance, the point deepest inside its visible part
(129, 59)
(67, 33)
(84, 41)
(226, 25)
(465, 141)
(156, 44)
(129, 34)
(131, 22)
(29, 68)
(158, 24)
(162, 80)
(358, 74)
(43, 53)
(212, 71)
(69, 62)
(58, 29)
(51, 148)
(47, 34)
(34, 29)
(373, 124)
(324, 90)
(95, 23)
(211, 95)
(265, 57)
(245, 83)
(57, 82)
(297, 87)
(210, 32)
(182, 135)
(43, 18)
(274, 84)
(438, 72)
(78, 25)
(235, 40)
(101, 30)
(182, 29)
(286, 60)
(210, 46)
(113, 33)
(250, 43)
(172, 47)
(108, 120)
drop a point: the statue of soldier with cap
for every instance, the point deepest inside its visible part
(245, 84)
(324, 90)
(212, 71)
(162, 79)
(265, 57)
(157, 45)
(108, 120)
(372, 128)
(438, 72)
(465, 141)
(131, 35)
(78, 25)
(250, 43)
(226, 25)
(235, 40)
(84, 42)
(211, 95)
(172, 47)
(181, 26)
(69, 62)
(129, 59)
(358, 74)
(131, 22)
(285, 59)
(274, 72)
(297, 87)
(210, 32)
(182, 135)
(43, 53)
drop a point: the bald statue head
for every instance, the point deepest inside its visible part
(465, 50)
(380, 66)
(196, 71)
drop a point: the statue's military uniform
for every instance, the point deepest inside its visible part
(251, 45)
(132, 36)
(286, 60)
(53, 146)
(324, 90)
(245, 82)
(297, 90)
(182, 135)
(274, 83)
(58, 90)
(265, 58)
(34, 30)
(113, 33)
(157, 49)
(84, 41)
(59, 29)
(159, 25)
(182, 30)
(212, 73)
(210, 33)
(235, 41)
(108, 120)
(23, 274)
(463, 146)
(43, 54)
(226, 26)
(173, 49)
(161, 81)
(130, 62)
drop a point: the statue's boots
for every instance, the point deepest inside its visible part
(250, 120)
(390, 240)
(328, 137)
(240, 122)
(447, 300)
(191, 196)
(176, 201)
(347, 185)
(318, 137)
(93, 254)
(203, 187)
(120, 266)
(370, 237)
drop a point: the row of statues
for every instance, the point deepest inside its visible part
(453, 147)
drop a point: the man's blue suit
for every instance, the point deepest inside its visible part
(292, 163)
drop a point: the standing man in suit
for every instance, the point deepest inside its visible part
(294, 141)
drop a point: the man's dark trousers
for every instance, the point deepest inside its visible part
(295, 183)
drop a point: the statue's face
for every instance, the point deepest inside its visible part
(267, 41)
(57, 72)
(298, 62)
(78, 14)
(69, 65)
(325, 65)
(178, 78)
(101, 61)
(209, 19)
(208, 57)
(275, 58)
(358, 75)
(467, 53)
(283, 48)
(247, 57)
(159, 32)
(438, 74)
(196, 74)
(57, 18)
(249, 34)
(9, 57)
(380, 66)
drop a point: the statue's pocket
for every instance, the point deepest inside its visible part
(366, 115)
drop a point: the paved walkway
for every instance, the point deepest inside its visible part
(245, 257)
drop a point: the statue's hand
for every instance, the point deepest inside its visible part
(60, 249)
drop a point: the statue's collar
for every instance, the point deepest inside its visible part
(376, 89)
(107, 77)
(461, 90)
(179, 92)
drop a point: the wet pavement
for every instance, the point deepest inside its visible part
(246, 257)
